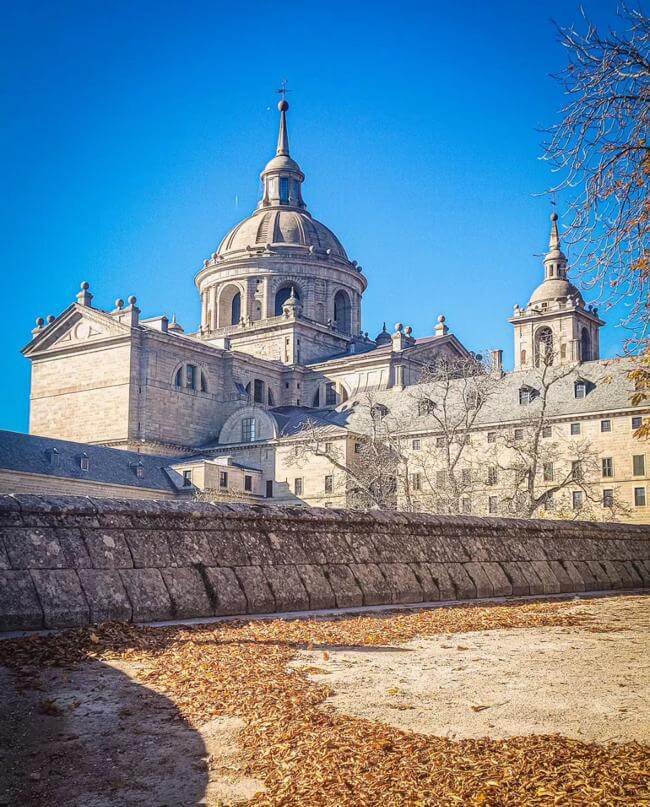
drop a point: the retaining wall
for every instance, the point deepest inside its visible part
(68, 561)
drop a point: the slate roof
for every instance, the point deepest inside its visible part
(29, 453)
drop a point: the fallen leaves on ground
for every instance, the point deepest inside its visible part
(306, 753)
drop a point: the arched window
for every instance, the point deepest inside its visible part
(204, 382)
(342, 312)
(190, 377)
(585, 345)
(281, 297)
(544, 346)
(178, 378)
(235, 309)
(523, 357)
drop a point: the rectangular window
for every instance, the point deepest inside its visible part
(415, 445)
(493, 505)
(524, 397)
(269, 488)
(549, 502)
(248, 483)
(258, 391)
(139, 470)
(576, 469)
(492, 475)
(491, 437)
(416, 482)
(223, 479)
(297, 486)
(248, 430)
(605, 425)
(329, 483)
(466, 504)
(190, 376)
(84, 462)
(330, 395)
(638, 464)
(639, 497)
(578, 499)
(284, 190)
(519, 434)
(608, 466)
(575, 428)
(637, 422)
(328, 448)
(440, 442)
(187, 478)
(608, 497)
(441, 478)
(547, 431)
(580, 390)
(548, 472)
(357, 448)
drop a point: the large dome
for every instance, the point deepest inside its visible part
(281, 227)
(554, 289)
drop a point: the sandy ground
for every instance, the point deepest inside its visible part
(94, 737)
(582, 684)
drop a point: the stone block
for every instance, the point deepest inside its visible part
(443, 581)
(286, 548)
(317, 586)
(105, 595)
(259, 596)
(10, 515)
(33, 548)
(518, 580)
(312, 548)
(227, 549)
(335, 548)
(74, 548)
(535, 585)
(4, 557)
(189, 547)
(362, 547)
(463, 585)
(256, 545)
(571, 570)
(501, 586)
(149, 548)
(617, 580)
(345, 588)
(636, 581)
(643, 570)
(187, 592)
(590, 582)
(565, 583)
(148, 595)
(372, 583)
(225, 592)
(476, 548)
(61, 597)
(287, 588)
(20, 608)
(480, 579)
(545, 573)
(434, 549)
(430, 591)
(453, 548)
(403, 583)
(108, 549)
(603, 582)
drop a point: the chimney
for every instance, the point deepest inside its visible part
(497, 361)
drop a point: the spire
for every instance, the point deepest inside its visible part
(283, 136)
(554, 241)
(555, 262)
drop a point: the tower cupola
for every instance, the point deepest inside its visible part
(282, 177)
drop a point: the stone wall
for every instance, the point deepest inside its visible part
(72, 561)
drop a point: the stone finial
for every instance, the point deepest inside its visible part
(84, 297)
(50, 319)
(441, 328)
(39, 325)
(119, 304)
(398, 327)
(408, 330)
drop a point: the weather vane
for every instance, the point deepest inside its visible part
(283, 89)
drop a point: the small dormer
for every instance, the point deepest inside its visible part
(527, 395)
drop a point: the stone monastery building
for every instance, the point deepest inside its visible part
(279, 349)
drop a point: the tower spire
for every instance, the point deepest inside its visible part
(283, 136)
(554, 241)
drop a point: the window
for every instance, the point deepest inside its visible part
(578, 499)
(297, 486)
(138, 469)
(547, 431)
(580, 389)
(416, 481)
(187, 478)
(204, 382)
(190, 376)
(493, 505)
(248, 483)
(329, 448)
(269, 488)
(466, 476)
(548, 471)
(519, 434)
(473, 399)
(492, 475)
(576, 469)
(605, 425)
(357, 448)
(441, 478)
(342, 312)
(329, 483)
(416, 445)
(235, 309)
(223, 479)
(248, 430)
(281, 298)
(466, 504)
(491, 437)
(585, 345)
(440, 442)
(258, 391)
(638, 464)
(178, 378)
(637, 422)
(544, 347)
(575, 428)
(608, 466)
(84, 462)
(425, 406)
(284, 190)
(330, 396)
(639, 497)
(525, 396)
(523, 357)
(549, 502)
(608, 497)
(378, 411)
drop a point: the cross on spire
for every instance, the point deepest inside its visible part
(283, 89)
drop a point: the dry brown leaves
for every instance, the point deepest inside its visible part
(307, 754)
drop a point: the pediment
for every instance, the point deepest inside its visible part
(75, 327)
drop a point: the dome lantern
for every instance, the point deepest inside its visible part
(282, 177)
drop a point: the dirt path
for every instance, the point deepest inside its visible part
(573, 681)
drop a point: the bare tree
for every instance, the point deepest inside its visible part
(600, 149)
(527, 459)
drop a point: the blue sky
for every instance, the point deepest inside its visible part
(134, 134)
